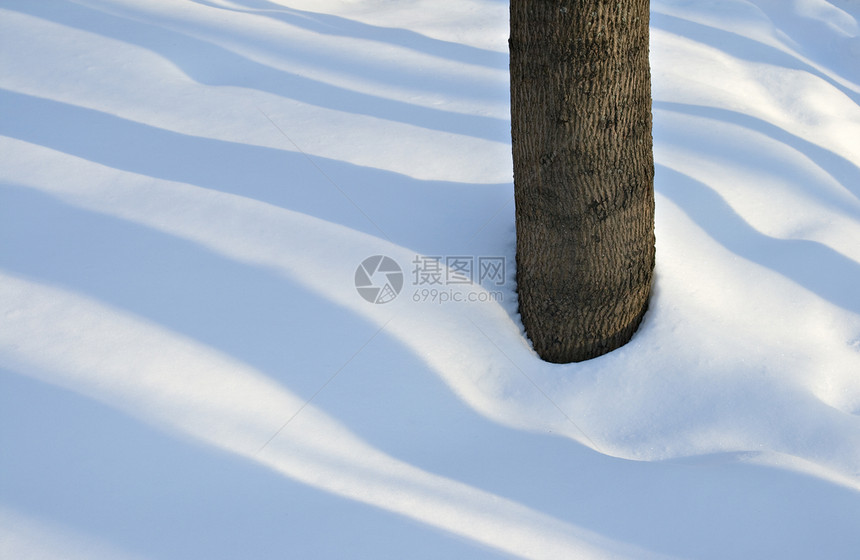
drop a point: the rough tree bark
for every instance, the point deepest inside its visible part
(583, 172)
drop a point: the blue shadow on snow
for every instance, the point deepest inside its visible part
(213, 65)
(810, 264)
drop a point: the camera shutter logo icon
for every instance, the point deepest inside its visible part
(378, 279)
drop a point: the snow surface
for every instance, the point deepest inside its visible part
(186, 367)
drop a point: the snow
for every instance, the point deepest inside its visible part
(188, 371)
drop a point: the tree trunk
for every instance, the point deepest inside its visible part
(583, 172)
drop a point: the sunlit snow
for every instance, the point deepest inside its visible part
(188, 371)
